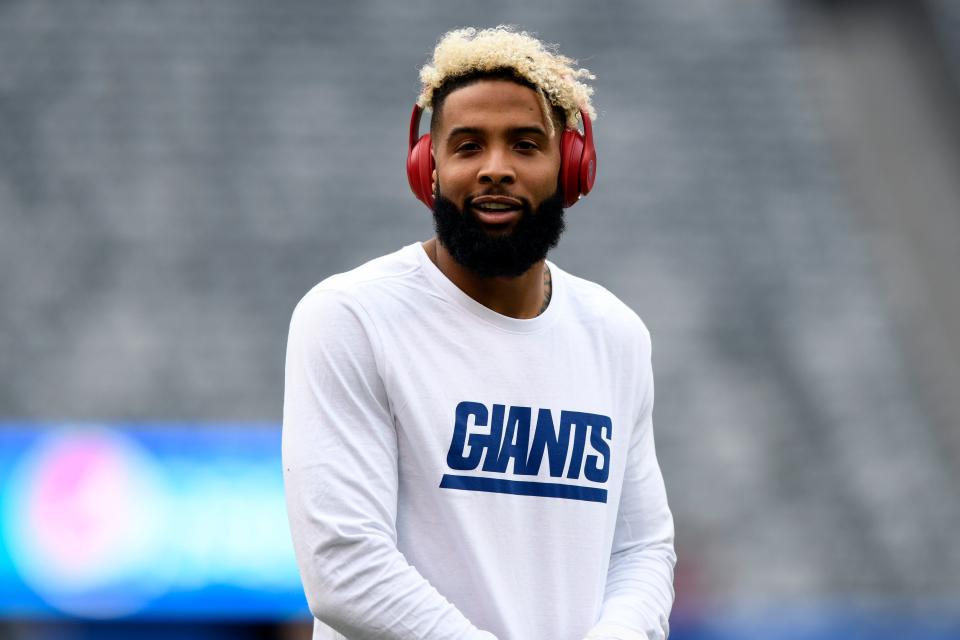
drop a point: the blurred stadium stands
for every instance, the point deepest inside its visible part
(777, 197)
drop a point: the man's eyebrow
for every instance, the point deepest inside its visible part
(535, 130)
(474, 131)
(464, 131)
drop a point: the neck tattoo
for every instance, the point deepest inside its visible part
(547, 288)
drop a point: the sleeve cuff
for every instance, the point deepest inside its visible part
(607, 631)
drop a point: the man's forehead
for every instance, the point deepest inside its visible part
(494, 103)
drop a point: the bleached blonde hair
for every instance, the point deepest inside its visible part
(463, 52)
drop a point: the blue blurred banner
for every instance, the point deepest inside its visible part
(145, 521)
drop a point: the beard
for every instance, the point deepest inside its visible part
(509, 254)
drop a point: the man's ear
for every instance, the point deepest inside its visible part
(433, 182)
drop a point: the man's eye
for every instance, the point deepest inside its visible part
(468, 146)
(526, 145)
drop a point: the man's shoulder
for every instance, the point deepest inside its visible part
(389, 267)
(376, 273)
(594, 303)
(351, 292)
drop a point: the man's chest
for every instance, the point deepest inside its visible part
(550, 416)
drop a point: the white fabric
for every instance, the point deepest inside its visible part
(380, 362)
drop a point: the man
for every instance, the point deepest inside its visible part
(467, 440)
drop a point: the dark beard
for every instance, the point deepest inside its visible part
(506, 255)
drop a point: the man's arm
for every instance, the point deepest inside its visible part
(340, 475)
(639, 592)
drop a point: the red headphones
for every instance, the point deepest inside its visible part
(578, 162)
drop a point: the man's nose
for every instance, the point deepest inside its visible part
(497, 168)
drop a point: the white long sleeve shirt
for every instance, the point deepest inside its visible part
(455, 474)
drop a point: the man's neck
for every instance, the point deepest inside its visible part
(523, 297)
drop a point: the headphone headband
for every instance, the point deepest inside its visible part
(415, 124)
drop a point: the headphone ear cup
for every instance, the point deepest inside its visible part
(420, 170)
(588, 169)
(571, 154)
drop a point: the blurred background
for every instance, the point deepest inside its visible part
(778, 198)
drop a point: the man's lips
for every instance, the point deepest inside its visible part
(496, 209)
(499, 200)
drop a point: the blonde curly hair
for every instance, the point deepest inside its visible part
(465, 52)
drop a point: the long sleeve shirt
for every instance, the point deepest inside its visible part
(453, 473)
